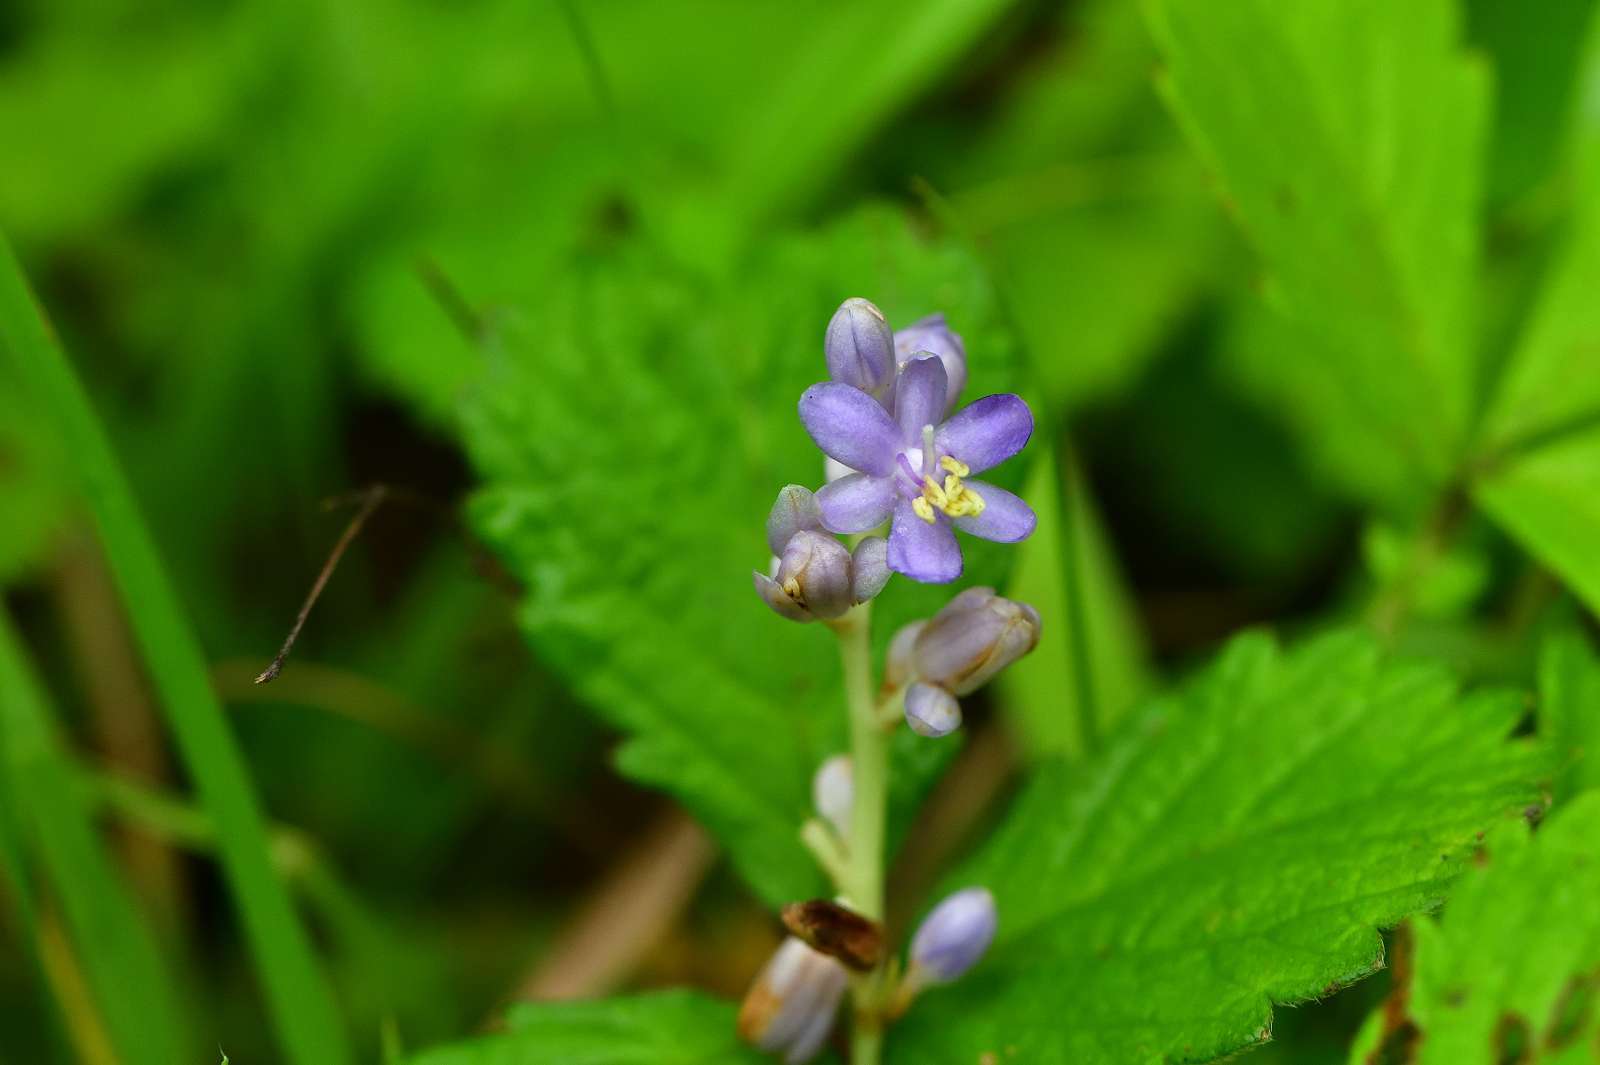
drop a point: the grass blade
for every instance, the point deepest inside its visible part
(298, 995)
(132, 987)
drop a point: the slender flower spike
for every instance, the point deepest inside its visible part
(932, 336)
(931, 711)
(975, 636)
(791, 1006)
(860, 347)
(812, 580)
(833, 793)
(914, 467)
(952, 938)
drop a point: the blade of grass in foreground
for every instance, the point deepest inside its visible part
(298, 995)
(133, 989)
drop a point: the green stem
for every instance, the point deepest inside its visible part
(869, 756)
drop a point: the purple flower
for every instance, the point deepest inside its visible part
(933, 336)
(913, 467)
(972, 638)
(859, 347)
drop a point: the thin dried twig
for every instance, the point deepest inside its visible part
(370, 500)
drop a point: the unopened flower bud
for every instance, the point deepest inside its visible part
(833, 792)
(794, 511)
(975, 636)
(812, 580)
(932, 711)
(860, 347)
(899, 668)
(790, 1008)
(931, 334)
(869, 568)
(952, 938)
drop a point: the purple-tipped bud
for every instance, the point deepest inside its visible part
(899, 668)
(833, 793)
(931, 334)
(975, 636)
(860, 347)
(790, 1007)
(952, 938)
(869, 568)
(794, 511)
(932, 711)
(812, 580)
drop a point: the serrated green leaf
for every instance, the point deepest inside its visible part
(1346, 138)
(633, 429)
(1238, 845)
(1569, 709)
(1511, 971)
(663, 1028)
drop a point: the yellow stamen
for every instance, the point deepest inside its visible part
(952, 498)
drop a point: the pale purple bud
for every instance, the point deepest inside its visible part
(790, 1008)
(860, 347)
(932, 711)
(932, 335)
(953, 937)
(975, 636)
(833, 792)
(899, 669)
(869, 568)
(794, 511)
(812, 581)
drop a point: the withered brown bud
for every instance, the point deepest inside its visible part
(838, 932)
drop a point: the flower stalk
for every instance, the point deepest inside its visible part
(869, 755)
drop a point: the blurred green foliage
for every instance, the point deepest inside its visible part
(1300, 294)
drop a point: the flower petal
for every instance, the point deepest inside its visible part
(795, 509)
(919, 397)
(1005, 518)
(922, 551)
(869, 568)
(986, 432)
(850, 426)
(771, 591)
(856, 503)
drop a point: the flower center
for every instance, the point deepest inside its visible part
(952, 498)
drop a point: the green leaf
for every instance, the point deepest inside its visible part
(1538, 63)
(662, 1028)
(1569, 709)
(1239, 844)
(1090, 663)
(299, 997)
(1511, 971)
(1541, 434)
(860, 63)
(1345, 137)
(132, 984)
(633, 428)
